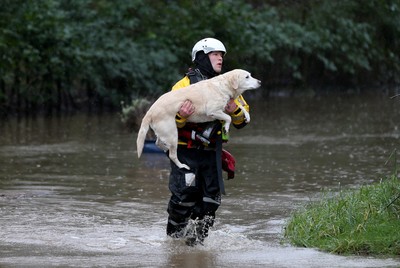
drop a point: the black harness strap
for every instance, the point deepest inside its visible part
(218, 156)
(195, 76)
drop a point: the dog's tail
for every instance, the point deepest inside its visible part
(144, 127)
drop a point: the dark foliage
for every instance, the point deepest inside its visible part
(67, 55)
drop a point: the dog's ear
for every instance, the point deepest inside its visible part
(234, 81)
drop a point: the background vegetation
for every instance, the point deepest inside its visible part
(62, 55)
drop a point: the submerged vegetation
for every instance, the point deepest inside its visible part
(365, 221)
(132, 114)
(65, 55)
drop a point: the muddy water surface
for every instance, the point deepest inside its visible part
(74, 194)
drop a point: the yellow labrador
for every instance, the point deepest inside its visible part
(209, 98)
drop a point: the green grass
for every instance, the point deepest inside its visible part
(365, 221)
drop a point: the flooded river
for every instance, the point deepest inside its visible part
(74, 194)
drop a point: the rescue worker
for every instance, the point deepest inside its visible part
(196, 193)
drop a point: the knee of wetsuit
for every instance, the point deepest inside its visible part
(178, 213)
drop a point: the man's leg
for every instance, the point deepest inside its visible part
(179, 213)
(185, 192)
(204, 212)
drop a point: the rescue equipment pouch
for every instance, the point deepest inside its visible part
(200, 134)
(228, 163)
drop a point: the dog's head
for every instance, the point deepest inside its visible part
(241, 80)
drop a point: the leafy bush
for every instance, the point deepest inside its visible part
(132, 114)
(69, 54)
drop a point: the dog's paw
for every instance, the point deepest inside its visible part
(226, 129)
(246, 116)
(184, 166)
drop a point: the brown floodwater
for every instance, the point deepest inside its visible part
(74, 194)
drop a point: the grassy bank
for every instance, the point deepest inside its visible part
(365, 221)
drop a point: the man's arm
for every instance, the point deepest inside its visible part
(238, 117)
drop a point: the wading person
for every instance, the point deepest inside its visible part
(196, 193)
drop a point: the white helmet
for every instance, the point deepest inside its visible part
(207, 45)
